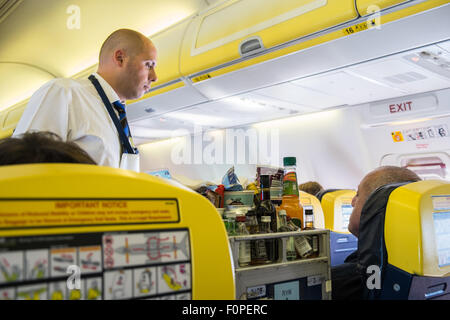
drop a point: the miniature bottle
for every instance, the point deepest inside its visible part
(302, 246)
(257, 247)
(266, 207)
(230, 223)
(309, 219)
(315, 246)
(270, 243)
(291, 226)
(283, 223)
(244, 246)
(290, 247)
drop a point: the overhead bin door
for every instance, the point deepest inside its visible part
(10, 118)
(240, 28)
(3, 133)
(366, 7)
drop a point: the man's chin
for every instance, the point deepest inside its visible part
(136, 96)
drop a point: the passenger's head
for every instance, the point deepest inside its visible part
(372, 181)
(310, 187)
(127, 62)
(41, 147)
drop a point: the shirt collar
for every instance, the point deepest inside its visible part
(109, 91)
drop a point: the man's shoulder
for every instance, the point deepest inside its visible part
(64, 88)
(67, 83)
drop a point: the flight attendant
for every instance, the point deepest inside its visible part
(91, 112)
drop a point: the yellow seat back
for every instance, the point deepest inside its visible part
(337, 208)
(140, 235)
(417, 228)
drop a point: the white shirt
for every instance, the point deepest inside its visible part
(74, 110)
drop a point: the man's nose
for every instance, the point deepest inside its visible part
(152, 77)
(353, 201)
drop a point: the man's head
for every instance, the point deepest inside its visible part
(372, 181)
(41, 147)
(127, 62)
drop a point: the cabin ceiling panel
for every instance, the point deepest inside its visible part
(351, 88)
(296, 94)
(63, 37)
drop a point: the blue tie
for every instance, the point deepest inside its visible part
(123, 120)
(120, 108)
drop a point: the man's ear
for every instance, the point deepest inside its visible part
(119, 57)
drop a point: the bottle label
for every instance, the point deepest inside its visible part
(315, 242)
(290, 249)
(244, 253)
(302, 246)
(290, 184)
(261, 252)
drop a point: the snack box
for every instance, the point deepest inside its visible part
(239, 198)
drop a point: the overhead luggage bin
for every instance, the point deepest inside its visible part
(124, 235)
(240, 28)
(367, 7)
(9, 119)
(221, 71)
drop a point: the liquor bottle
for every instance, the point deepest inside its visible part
(230, 223)
(270, 243)
(303, 247)
(257, 247)
(266, 207)
(252, 222)
(244, 246)
(283, 223)
(315, 246)
(276, 187)
(291, 200)
(291, 226)
(309, 219)
(290, 246)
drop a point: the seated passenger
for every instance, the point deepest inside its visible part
(41, 147)
(311, 187)
(347, 279)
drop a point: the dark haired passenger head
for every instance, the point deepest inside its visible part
(311, 187)
(41, 147)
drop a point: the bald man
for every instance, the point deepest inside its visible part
(91, 112)
(348, 278)
(372, 181)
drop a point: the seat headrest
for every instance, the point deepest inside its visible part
(320, 194)
(371, 226)
(371, 245)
